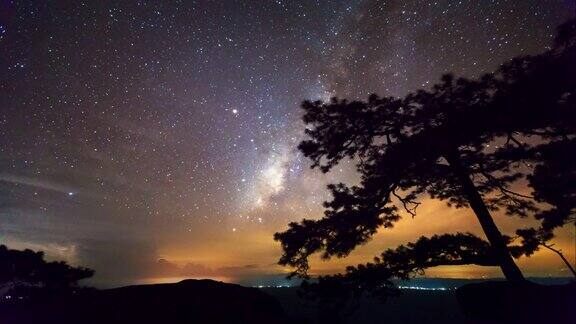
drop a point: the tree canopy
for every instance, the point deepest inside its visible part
(469, 142)
(29, 268)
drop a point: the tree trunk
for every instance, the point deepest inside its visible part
(507, 264)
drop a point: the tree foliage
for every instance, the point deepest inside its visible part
(29, 268)
(469, 142)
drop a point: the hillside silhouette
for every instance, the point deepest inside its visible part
(189, 301)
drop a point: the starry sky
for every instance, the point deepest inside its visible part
(157, 139)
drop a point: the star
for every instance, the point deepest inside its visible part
(156, 112)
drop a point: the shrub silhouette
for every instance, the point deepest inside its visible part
(28, 268)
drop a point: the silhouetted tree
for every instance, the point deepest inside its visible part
(467, 142)
(28, 268)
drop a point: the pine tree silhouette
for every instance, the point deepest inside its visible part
(466, 142)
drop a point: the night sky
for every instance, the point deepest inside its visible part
(153, 139)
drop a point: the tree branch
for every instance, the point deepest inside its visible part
(559, 252)
(405, 202)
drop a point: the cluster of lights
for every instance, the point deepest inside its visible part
(278, 286)
(422, 288)
(400, 287)
(10, 297)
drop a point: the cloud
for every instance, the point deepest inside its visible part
(239, 270)
(165, 268)
(35, 183)
(132, 258)
(195, 269)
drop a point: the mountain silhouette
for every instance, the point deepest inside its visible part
(188, 301)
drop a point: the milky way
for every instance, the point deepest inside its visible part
(137, 130)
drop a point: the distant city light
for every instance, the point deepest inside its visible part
(400, 287)
(273, 286)
(421, 288)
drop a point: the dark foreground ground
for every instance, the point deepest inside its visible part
(474, 302)
(412, 306)
(207, 301)
(188, 301)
